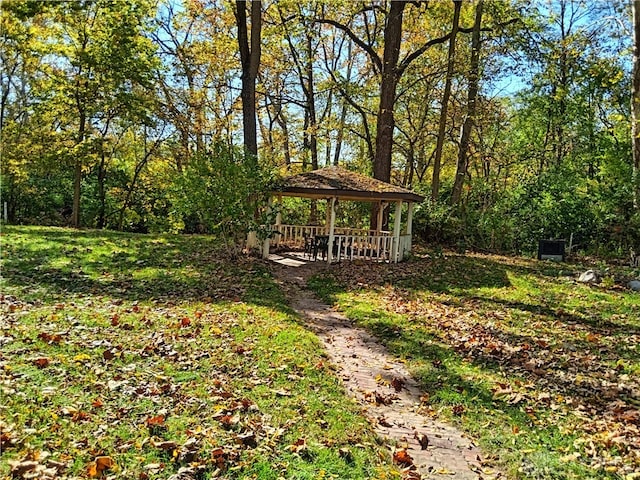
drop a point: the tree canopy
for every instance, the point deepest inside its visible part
(513, 115)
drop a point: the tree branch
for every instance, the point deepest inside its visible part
(367, 48)
(437, 41)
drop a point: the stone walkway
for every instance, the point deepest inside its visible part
(390, 397)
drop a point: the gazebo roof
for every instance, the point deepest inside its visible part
(343, 184)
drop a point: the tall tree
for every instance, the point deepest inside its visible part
(390, 75)
(472, 93)
(250, 50)
(435, 181)
(635, 104)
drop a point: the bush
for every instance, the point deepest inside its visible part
(222, 192)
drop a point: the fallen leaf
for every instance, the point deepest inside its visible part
(458, 410)
(423, 440)
(99, 465)
(156, 421)
(41, 362)
(397, 384)
(401, 457)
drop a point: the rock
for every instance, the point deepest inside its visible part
(590, 276)
(634, 285)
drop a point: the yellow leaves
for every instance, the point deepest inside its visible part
(100, 465)
(81, 358)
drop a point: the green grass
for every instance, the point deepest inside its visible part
(543, 371)
(160, 354)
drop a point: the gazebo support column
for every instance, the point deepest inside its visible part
(381, 206)
(279, 217)
(397, 218)
(395, 249)
(327, 217)
(332, 224)
(266, 242)
(409, 228)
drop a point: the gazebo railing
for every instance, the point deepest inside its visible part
(294, 235)
(365, 247)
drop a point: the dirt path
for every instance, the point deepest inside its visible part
(391, 399)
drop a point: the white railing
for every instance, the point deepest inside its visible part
(364, 247)
(349, 243)
(295, 235)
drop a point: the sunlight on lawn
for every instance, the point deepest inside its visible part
(542, 370)
(131, 356)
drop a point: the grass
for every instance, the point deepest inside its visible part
(128, 356)
(543, 371)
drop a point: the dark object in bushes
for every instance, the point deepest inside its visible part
(551, 250)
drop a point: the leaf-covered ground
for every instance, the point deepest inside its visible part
(155, 357)
(543, 370)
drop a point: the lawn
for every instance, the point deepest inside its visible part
(155, 357)
(543, 371)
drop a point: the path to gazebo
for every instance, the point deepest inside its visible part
(390, 398)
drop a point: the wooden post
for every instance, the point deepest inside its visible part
(381, 205)
(266, 242)
(409, 228)
(327, 217)
(395, 250)
(332, 224)
(278, 220)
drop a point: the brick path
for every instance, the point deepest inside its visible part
(390, 397)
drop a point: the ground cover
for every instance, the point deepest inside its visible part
(155, 357)
(543, 371)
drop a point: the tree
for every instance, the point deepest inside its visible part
(465, 136)
(435, 181)
(635, 104)
(250, 60)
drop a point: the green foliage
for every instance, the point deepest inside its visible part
(436, 222)
(223, 192)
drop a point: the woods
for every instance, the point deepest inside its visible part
(516, 117)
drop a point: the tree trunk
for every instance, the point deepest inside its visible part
(343, 113)
(250, 59)
(386, 121)
(465, 137)
(102, 193)
(635, 104)
(435, 181)
(388, 85)
(282, 122)
(77, 177)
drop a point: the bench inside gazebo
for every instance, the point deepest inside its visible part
(333, 243)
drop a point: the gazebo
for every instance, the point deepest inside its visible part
(335, 184)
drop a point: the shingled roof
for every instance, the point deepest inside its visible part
(343, 184)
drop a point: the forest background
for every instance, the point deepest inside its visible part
(511, 117)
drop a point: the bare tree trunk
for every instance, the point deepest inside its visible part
(250, 59)
(435, 180)
(282, 122)
(77, 177)
(343, 113)
(635, 104)
(388, 85)
(465, 137)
